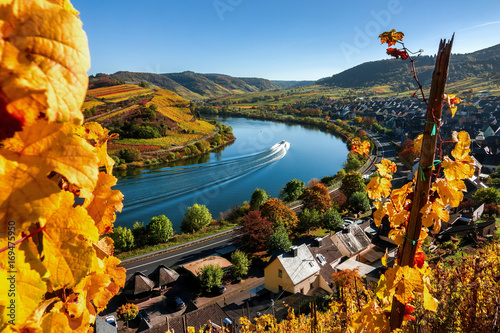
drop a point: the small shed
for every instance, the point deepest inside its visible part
(163, 276)
(138, 287)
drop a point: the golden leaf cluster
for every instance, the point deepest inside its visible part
(64, 273)
(360, 147)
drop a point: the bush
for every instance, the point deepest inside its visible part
(146, 132)
(292, 190)
(159, 229)
(332, 220)
(210, 276)
(241, 264)
(196, 218)
(123, 239)
(359, 202)
(130, 154)
(259, 196)
(140, 234)
(170, 156)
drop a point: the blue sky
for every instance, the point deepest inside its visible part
(273, 39)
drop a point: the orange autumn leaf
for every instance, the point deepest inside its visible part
(359, 147)
(433, 213)
(386, 168)
(452, 102)
(378, 187)
(405, 282)
(417, 144)
(391, 37)
(47, 74)
(448, 194)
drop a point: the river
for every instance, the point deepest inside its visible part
(220, 180)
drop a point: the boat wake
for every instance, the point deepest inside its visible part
(163, 184)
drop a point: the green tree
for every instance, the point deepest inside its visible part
(308, 219)
(140, 234)
(259, 196)
(352, 182)
(146, 132)
(292, 190)
(210, 276)
(359, 201)
(352, 163)
(130, 154)
(196, 218)
(123, 239)
(241, 264)
(127, 312)
(332, 220)
(489, 195)
(279, 240)
(159, 229)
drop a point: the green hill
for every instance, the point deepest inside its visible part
(195, 86)
(396, 73)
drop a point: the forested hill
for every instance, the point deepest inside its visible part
(195, 86)
(484, 63)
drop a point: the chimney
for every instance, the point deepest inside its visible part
(319, 241)
(295, 251)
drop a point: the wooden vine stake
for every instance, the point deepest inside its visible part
(406, 254)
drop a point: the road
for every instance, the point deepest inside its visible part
(180, 256)
(200, 250)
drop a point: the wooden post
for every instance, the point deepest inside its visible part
(406, 253)
(168, 324)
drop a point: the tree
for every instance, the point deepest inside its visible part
(359, 201)
(210, 276)
(317, 197)
(196, 218)
(276, 211)
(489, 195)
(159, 229)
(352, 163)
(130, 154)
(259, 196)
(292, 190)
(241, 264)
(127, 312)
(308, 219)
(140, 234)
(279, 240)
(255, 231)
(123, 239)
(332, 220)
(352, 182)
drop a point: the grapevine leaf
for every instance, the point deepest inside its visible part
(103, 203)
(417, 144)
(66, 4)
(98, 137)
(391, 37)
(378, 187)
(56, 322)
(405, 281)
(67, 248)
(430, 303)
(448, 194)
(379, 214)
(399, 196)
(58, 147)
(386, 168)
(359, 147)
(44, 62)
(433, 213)
(397, 236)
(29, 287)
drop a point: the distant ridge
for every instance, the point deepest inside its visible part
(195, 86)
(484, 63)
(293, 84)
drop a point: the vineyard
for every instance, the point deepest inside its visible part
(117, 93)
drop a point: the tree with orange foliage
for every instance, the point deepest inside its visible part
(277, 212)
(317, 197)
(255, 231)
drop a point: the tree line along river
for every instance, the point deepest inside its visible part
(227, 177)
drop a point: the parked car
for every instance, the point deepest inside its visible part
(222, 289)
(179, 303)
(111, 320)
(145, 315)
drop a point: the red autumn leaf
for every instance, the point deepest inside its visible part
(397, 53)
(419, 259)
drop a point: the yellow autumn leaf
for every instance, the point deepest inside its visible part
(405, 282)
(379, 214)
(391, 37)
(452, 102)
(430, 303)
(399, 196)
(384, 258)
(44, 62)
(458, 169)
(98, 137)
(417, 144)
(399, 218)
(378, 187)
(360, 147)
(448, 194)
(371, 318)
(66, 4)
(386, 168)
(433, 213)
(19, 282)
(55, 322)
(67, 248)
(104, 248)
(58, 147)
(397, 236)
(103, 203)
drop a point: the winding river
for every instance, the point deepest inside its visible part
(220, 180)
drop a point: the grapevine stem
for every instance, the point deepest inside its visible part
(22, 239)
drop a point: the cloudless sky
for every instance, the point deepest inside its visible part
(273, 39)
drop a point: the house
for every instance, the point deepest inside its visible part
(212, 315)
(473, 230)
(295, 271)
(370, 273)
(351, 240)
(327, 256)
(163, 278)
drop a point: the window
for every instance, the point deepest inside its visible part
(280, 273)
(311, 286)
(280, 288)
(302, 291)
